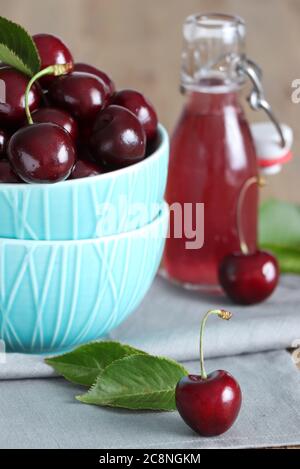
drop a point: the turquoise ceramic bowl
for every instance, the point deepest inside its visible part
(57, 294)
(86, 208)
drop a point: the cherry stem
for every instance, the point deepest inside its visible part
(247, 184)
(56, 70)
(221, 313)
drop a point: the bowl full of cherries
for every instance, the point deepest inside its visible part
(71, 143)
(83, 169)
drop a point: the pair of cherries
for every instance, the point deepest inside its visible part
(86, 117)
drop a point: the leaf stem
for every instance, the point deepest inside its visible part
(221, 313)
(56, 70)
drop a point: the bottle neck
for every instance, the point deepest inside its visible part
(213, 85)
(210, 102)
(213, 46)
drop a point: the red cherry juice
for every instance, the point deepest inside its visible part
(212, 156)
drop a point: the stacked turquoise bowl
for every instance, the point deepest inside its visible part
(75, 260)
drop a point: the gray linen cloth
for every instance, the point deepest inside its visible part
(43, 413)
(168, 321)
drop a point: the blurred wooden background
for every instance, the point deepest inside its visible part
(139, 43)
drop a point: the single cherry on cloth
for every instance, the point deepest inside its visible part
(118, 138)
(57, 116)
(52, 51)
(3, 142)
(249, 278)
(84, 169)
(83, 67)
(141, 107)
(80, 93)
(209, 404)
(7, 175)
(12, 109)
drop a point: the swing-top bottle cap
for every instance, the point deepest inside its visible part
(270, 153)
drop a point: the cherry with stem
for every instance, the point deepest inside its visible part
(209, 403)
(55, 70)
(248, 277)
(42, 152)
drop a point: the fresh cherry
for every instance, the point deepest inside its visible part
(141, 107)
(52, 51)
(83, 67)
(12, 109)
(80, 93)
(249, 278)
(42, 153)
(7, 175)
(3, 142)
(209, 404)
(118, 138)
(84, 169)
(57, 116)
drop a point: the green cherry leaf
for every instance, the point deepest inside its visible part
(17, 48)
(137, 382)
(84, 364)
(279, 232)
(289, 259)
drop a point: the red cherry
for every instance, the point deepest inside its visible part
(7, 175)
(209, 406)
(141, 107)
(57, 116)
(3, 142)
(52, 51)
(118, 138)
(249, 278)
(80, 93)
(83, 67)
(12, 108)
(42, 153)
(84, 169)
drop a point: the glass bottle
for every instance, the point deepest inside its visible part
(212, 155)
